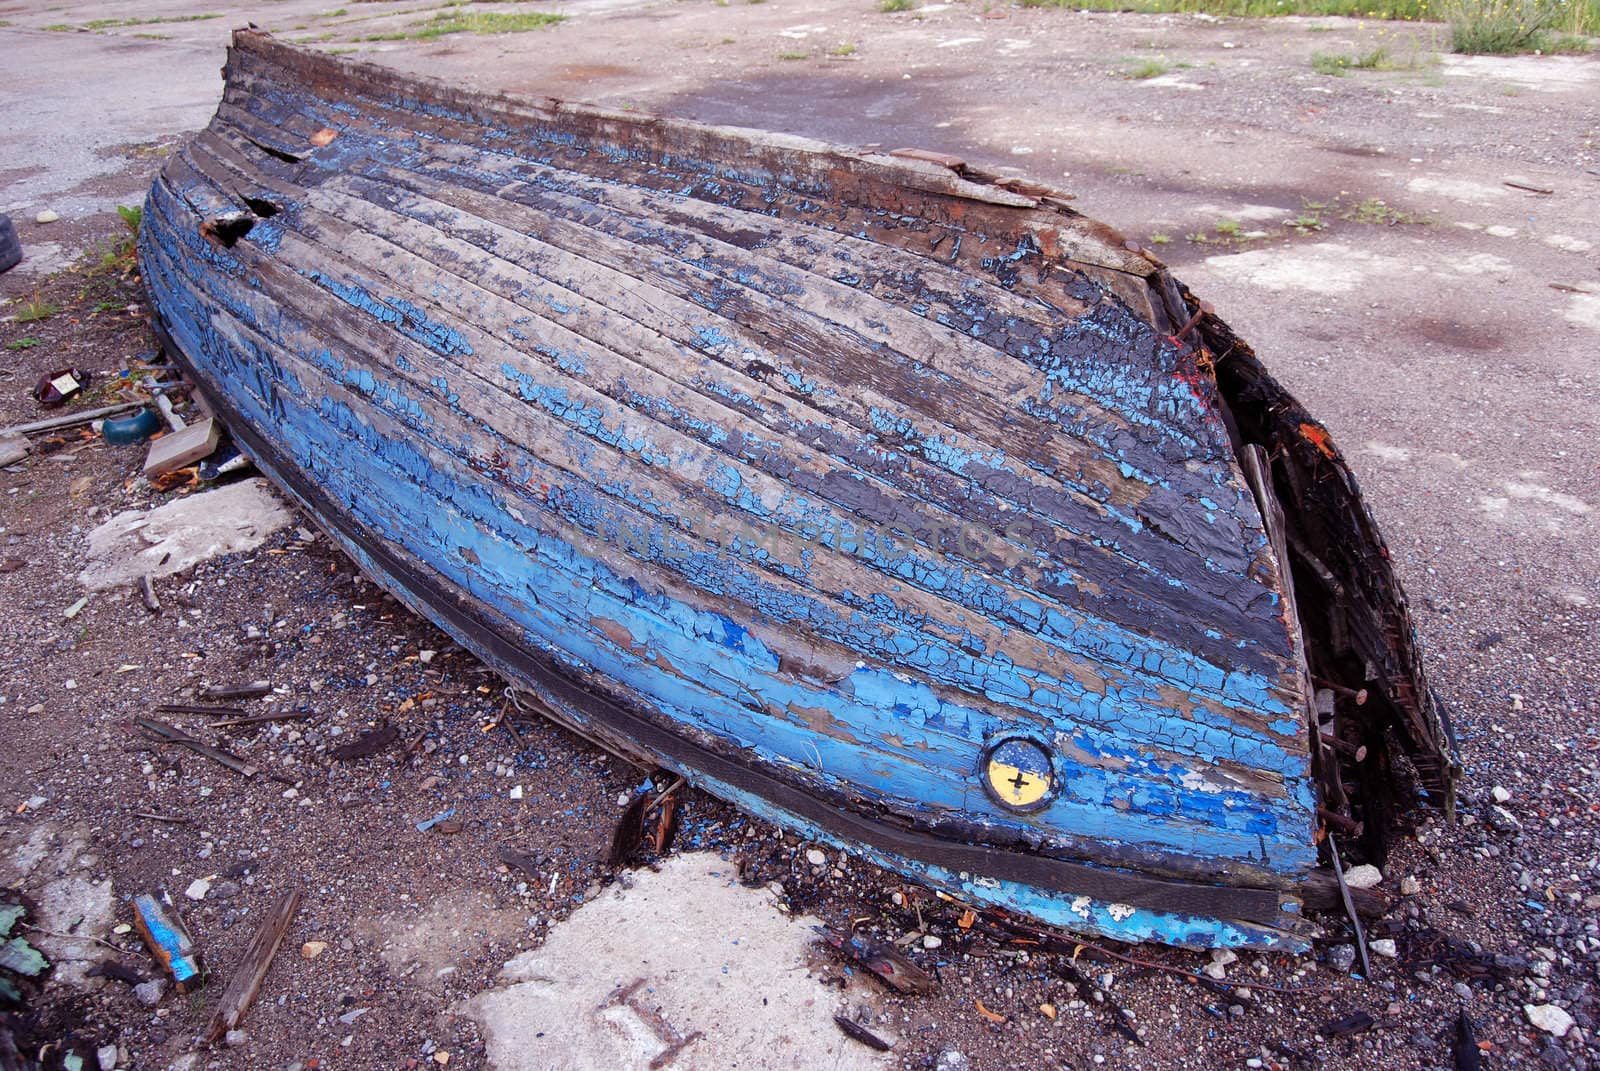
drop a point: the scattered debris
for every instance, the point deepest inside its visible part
(163, 931)
(179, 737)
(313, 949)
(252, 969)
(59, 387)
(368, 743)
(251, 690)
(131, 430)
(428, 823)
(13, 448)
(1515, 185)
(855, 1030)
(186, 444)
(147, 592)
(993, 1017)
(1355, 1023)
(882, 961)
(1468, 1057)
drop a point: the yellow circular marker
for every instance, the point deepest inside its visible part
(1018, 775)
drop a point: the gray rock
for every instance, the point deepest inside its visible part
(1341, 958)
(149, 993)
(952, 1060)
(107, 1057)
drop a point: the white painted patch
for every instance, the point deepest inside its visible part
(799, 33)
(1387, 452)
(687, 950)
(1550, 74)
(1322, 268)
(1533, 492)
(181, 534)
(1080, 906)
(1480, 264)
(1568, 244)
(1170, 81)
(1120, 912)
(1457, 189)
(1247, 211)
(1584, 310)
(958, 42)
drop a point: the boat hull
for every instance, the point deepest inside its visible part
(890, 505)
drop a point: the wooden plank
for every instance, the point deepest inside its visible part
(245, 983)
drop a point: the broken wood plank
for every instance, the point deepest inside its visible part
(252, 969)
(256, 719)
(368, 743)
(177, 736)
(198, 708)
(881, 960)
(176, 449)
(147, 592)
(158, 922)
(251, 690)
(69, 420)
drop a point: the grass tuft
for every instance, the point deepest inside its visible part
(891, 6)
(483, 22)
(1138, 70)
(26, 342)
(36, 310)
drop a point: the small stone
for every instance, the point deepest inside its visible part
(1341, 958)
(815, 857)
(952, 1060)
(931, 941)
(1504, 820)
(1385, 947)
(1500, 794)
(426, 656)
(107, 1057)
(1365, 876)
(149, 993)
(197, 889)
(1048, 1011)
(46, 216)
(516, 792)
(225, 890)
(1551, 1018)
(313, 949)
(234, 1038)
(1410, 886)
(441, 1058)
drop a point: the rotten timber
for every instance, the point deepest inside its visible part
(890, 500)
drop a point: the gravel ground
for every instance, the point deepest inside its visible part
(1467, 412)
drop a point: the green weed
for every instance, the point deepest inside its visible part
(846, 49)
(26, 342)
(891, 6)
(484, 22)
(1160, 239)
(35, 310)
(794, 55)
(1227, 228)
(1138, 70)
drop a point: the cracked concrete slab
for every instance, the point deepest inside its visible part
(686, 969)
(181, 534)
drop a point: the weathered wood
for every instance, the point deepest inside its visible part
(199, 747)
(808, 474)
(245, 982)
(69, 420)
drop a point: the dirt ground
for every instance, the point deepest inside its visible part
(1410, 249)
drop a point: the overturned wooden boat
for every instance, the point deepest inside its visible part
(890, 500)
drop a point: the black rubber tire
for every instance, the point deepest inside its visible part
(10, 248)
